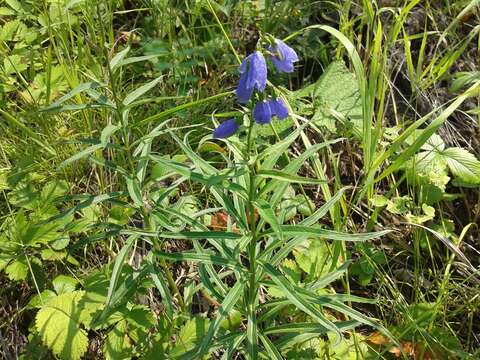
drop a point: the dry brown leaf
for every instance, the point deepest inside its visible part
(378, 339)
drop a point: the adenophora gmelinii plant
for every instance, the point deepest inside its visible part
(253, 75)
(250, 189)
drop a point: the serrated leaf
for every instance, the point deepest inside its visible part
(314, 258)
(378, 200)
(463, 164)
(193, 331)
(434, 143)
(57, 324)
(336, 95)
(64, 284)
(17, 270)
(117, 345)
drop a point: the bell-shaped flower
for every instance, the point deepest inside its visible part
(278, 108)
(226, 129)
(283, 56)
(253, 72)
(262, 113)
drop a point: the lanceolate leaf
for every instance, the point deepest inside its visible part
(292, 230)
(228, 303)
(312, 328)
(117, 269)
(279, 175)
(299, 300)
(267, 213)
(158, 280)
(201, 258)
(270, 348)
(134, 95)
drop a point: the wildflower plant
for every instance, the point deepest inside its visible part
(241, 268)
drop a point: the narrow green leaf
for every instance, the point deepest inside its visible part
(279, 175)
(161, 285)
(199, 235)
(200, 258)
(80, 155)
(296, 230)
(322, 211)
(310, 328)
(117, 270)
(134, 95)
(272, 351)
(79, 89)
(115, 62)
(228, 304)
(267, 213)
(299, 300)
(330, 277)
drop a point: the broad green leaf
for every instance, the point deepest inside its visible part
(116, 347)
(336, 96)
(463, 164)
(17, 270)
(57, 323)
(134, 190)
(190, 334)
(314, 258)
(107, 132)
(64, 284)
(419, 141)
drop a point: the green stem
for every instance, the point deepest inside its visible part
(252, 249)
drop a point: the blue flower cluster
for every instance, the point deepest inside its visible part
(253, 75)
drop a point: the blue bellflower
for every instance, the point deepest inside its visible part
(278, 108)
(283, 56)
(253, 72)
(226, 129)
(262, 113)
